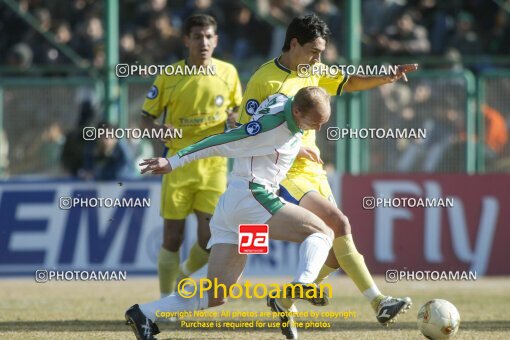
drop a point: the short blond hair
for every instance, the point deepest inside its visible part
(309, 97)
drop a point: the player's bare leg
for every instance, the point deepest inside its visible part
(203, 231)
(345, 255)
(198, 254)
(226, 266)
(169, 256)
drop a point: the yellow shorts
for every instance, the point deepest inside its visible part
(295, 186)
(195, 186)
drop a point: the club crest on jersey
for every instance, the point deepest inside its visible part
(251, 106)
(253, 128)
(153, 92)
(219, 100)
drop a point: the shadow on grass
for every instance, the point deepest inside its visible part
(335, 325)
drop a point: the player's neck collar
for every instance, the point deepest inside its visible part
(291, 121)
(279, 65)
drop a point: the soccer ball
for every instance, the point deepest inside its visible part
(438, 319)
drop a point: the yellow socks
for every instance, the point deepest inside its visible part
(168, 269)
(324, 273)
(353, 264)
(198, 258)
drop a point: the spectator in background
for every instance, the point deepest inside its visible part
(50, 148)
(465, 39)
(405, 38)
(282, 12)
(130, 52)
(162, 39)
(500, 34)
(374, 21)
(74, 146)
(89, 39)
(40, 46)
(445, 142)
(107, 159)
(64, 36)
(20, 56)
(147, 10)
(496, 133)
(239, 38)
(13, 29)
(329, 13)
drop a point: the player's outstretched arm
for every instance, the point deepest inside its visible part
(156, 166)
(360, 83)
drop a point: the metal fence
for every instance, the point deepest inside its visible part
(493, 121)
(35, 116)
(466, 120)
(440, 105)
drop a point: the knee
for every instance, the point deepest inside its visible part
(338, 222)
(172, 239)
(323, 228)
(172, 242)
(203, 239)
(329, 233)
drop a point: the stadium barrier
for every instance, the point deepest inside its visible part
(37, 233)
(29, 109)
(442, 104)
(469, 235)
(449, 106)
(493, 121)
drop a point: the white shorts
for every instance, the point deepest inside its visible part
(243, 203)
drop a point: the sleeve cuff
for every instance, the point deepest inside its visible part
(174, 161)
(145, 113)
(341, 86)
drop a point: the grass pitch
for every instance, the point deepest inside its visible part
(95, 310)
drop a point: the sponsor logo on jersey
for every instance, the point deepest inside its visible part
(251, 106)
(253, 128)
(219, 100)
(153, 92)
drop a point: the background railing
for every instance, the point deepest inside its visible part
(464, 116)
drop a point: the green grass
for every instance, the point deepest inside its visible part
(95, 310)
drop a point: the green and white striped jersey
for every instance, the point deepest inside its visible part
(263, 149)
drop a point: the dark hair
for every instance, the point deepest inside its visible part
(306, 29)
(201, 20)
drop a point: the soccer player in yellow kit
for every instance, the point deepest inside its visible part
(306, 183)
(198, 105)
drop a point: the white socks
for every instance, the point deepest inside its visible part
(173, 303)
(372, 292)
(313, 252)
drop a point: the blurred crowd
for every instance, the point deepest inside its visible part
(150, 31)
(439, 107)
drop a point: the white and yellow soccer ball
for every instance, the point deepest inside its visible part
(438, 319)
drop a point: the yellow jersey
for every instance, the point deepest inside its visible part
(197, 104)
(271, 78)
